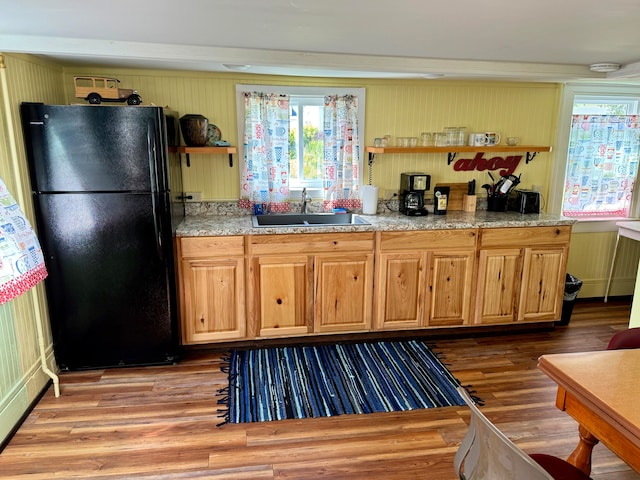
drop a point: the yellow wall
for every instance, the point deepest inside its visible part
(590, 258)
(21, 375)
(397, 107)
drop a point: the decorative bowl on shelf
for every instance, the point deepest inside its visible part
(213, 135)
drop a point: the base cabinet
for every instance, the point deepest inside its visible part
(266, 286)
(401, 290)
(499, 272)
(282, 289)
(518, 283)
(212, 294)
(451, 287)
(543, 278)
(425, 279)
(310, 283)
(343, 301)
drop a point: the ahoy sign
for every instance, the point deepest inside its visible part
(507, 164)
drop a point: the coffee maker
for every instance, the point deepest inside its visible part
(412, 188)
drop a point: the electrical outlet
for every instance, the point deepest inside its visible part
(389, 193)
(193, 196)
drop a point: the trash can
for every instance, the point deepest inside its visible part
(571, 289)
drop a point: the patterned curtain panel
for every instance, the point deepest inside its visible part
(21, 260)
(602, 165)
(264, 172)
(341, 153)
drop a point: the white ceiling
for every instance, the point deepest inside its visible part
(541, 40)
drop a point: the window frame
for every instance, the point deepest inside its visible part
(556, 190)
(359, 92)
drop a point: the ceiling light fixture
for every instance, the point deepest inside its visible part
(604, 67)
(236, 67)
(432, 75)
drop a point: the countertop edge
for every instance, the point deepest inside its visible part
(226, 225)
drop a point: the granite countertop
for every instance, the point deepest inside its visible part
(200, 225)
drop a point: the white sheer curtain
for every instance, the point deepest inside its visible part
(264, 171)
(341, 153)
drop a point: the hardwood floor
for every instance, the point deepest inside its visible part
(161, 422)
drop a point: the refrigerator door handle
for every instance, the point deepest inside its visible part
(156, 226)
(151, 139)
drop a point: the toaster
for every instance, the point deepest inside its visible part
(524, 201)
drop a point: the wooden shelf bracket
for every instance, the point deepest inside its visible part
(206, 150)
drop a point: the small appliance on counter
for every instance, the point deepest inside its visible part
(412, 188)
(524, 201)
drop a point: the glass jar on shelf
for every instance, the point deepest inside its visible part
(426, 139)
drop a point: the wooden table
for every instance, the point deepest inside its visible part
(600, 390)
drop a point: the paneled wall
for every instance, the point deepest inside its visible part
(397, 107)
(21, 376)
(13, 397)
(590, 258)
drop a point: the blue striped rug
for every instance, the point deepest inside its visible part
(327, 380)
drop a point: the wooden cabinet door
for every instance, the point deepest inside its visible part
(499, 276)
(400, 290)
(450, 287)
(343, 292)
(542, 283)
(213, 299)
(283, 286)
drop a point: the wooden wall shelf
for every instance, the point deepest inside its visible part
(531, 150)
(205, 151)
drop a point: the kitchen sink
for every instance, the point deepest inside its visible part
(307, 220)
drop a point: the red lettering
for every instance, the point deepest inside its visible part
(462, 165)
(508, 164)
(476, 162)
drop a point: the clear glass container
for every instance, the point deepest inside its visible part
(452, 135)
(461, 135)
(427, 139)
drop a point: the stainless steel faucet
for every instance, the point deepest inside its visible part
(305, 200)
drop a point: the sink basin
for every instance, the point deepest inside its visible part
(307, 220)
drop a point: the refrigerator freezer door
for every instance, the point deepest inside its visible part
(95, 148)
(108, 286)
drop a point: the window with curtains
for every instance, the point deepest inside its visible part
(300, 137)
(603, 156)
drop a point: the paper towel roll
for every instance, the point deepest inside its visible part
(369, 199)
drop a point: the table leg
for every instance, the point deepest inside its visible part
(581, 456)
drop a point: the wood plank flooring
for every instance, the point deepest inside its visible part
(160, 423)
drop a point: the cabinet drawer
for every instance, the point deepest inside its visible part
(311, 243)
(427, 240)
(524, 236)
(192, 247)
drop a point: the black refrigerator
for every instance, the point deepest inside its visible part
(108, 198)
